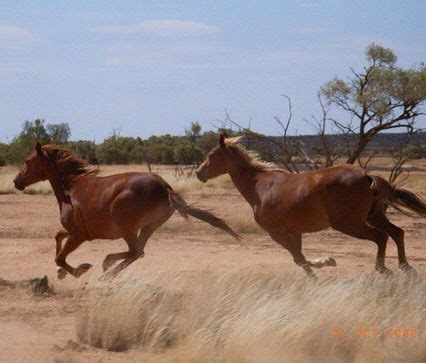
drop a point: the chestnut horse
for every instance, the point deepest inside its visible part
(129, 205)
(285, 205)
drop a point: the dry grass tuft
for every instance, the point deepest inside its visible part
(237, 316)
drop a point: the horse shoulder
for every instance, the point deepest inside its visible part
(72, 220)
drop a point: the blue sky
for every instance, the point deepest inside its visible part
(151, 67)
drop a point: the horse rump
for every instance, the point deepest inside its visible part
(400, 199)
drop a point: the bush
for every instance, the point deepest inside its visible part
(120, 150)
(415, 151)
(86, 149)
(3, 154)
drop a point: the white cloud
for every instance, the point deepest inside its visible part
(14, 33)
(161, 27)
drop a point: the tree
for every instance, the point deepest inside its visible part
(193, 135)
(58, 133)
(86, 149)
(380, 97)
(183, 153)
(284, 149)
(36, 130)
(4, 153)
(119, 150)
(22, 145)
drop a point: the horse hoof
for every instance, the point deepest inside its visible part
(62, 273)
(330, 261)
(106, 266)
(408, 269)
(83, 268)
(312, 276)
(107, 276)
(384, 271)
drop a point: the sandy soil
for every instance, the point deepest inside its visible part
(43, 328)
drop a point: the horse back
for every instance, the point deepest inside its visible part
(305, 202)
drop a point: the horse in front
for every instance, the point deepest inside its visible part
(128, 205)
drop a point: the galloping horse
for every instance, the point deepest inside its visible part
(128, 205)
(285, 205)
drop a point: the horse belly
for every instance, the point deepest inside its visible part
(306, 217)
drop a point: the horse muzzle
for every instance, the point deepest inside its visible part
(201, 177)
(19, 183)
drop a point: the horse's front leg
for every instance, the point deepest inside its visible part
(292, 242)
(71, 243)
(62, 233)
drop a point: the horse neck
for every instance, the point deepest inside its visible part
(244, 177)
(59, 189)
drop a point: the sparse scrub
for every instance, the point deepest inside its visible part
(238, 316)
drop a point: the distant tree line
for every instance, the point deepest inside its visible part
(169, 149)
(116, 149)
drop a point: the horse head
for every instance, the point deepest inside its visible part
(36, 168)
(215, 163)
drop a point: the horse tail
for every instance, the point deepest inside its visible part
(400, 199)
(186, 210)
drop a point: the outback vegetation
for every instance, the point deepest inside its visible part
(201, 296)
(355, 113)
(237, 317)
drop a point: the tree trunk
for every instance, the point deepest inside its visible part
(355, 154)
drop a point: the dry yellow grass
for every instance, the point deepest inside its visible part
(185, 185)
(411, 180)
(240, 317)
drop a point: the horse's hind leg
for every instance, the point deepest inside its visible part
(136, 246)
(136, 250)
(70, 245)
(112, 258)
(378, 220)
(362, 230)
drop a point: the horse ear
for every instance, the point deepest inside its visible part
(39, 149)
(222, 140)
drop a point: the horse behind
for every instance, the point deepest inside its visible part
(343, 197)
(129, 205)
